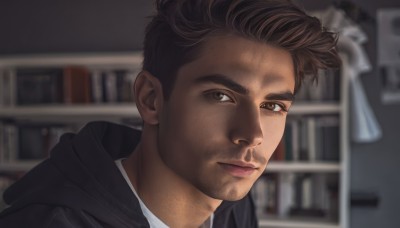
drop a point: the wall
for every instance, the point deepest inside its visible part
(374, 166)
(51, 26)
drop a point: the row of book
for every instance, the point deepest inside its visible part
(28, 141)
(297, 195)
(311, 138)
(22, 140)
(66, 85)
(74, 84)
(325, 88)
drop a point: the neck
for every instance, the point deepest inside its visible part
(172, 199)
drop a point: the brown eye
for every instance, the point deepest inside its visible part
(273, 107)
(221, 97)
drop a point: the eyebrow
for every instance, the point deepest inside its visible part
(232, 85)
(223, 80)
(285, 96)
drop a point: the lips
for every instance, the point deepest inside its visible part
(239, 169)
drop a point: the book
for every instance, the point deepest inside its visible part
(96, 85)
(37, 139)
(294, 148)
(286, 194)
(124, 86)
(65, 85)
(297, 195)
(287, 137)
(2, 88)
(8, 87)
(76, 85)
(329, 138)
(295, 140)
(109, 87)
(272, 193)
(39, 86)
(306, 193)
(308, 197)
(320, 192)
(311, 138)
(303, 140)
(260, 195)
(10, 142)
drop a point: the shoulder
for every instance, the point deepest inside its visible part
(47, 216)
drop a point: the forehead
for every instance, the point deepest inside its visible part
(241, 59)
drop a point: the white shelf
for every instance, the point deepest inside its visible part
(285, 166)
(125, 110)
(303, 108)
(18, 166)
(126, 60)
(271, 167)
(62, 110)
(275, 223)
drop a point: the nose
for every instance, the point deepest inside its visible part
(246, 127)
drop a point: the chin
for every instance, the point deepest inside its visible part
(233, 198)
(231, 194)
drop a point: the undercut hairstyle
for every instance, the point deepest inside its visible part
(177, 32)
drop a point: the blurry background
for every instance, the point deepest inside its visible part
(29, 28)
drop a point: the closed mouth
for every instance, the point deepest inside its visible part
(239, 170)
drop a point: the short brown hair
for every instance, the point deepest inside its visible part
(176, 33)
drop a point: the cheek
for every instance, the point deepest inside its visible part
(202, 123)
(186, 135)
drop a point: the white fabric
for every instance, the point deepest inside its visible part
(153, 220)
(365, 127)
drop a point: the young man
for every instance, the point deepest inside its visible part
(218, 79)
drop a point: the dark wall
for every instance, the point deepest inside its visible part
(52, 26)
(375, 166)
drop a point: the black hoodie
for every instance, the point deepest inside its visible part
(79, 185)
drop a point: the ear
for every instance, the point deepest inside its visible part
(148, 97)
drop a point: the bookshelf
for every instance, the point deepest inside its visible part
(279, 171)
(20, 166)
(109, 60)
(308, 167)
(70, 111)
(128, 109)
(116, 111)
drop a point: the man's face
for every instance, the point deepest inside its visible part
(226, 115)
